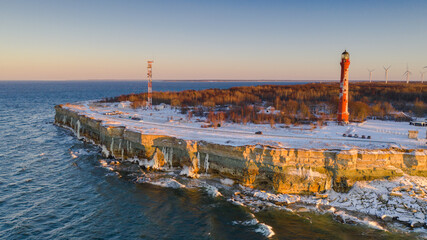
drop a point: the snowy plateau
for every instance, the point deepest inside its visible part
(381, 181)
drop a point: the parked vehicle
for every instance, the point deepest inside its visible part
(418, 123)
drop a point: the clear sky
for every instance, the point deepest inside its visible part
(271, 40)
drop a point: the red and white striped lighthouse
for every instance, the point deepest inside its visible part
(342, 115)
(150, 84)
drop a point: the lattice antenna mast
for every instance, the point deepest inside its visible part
(150, 84)
(370, 74)
(386, 73)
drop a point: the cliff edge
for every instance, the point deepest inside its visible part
(261, 166)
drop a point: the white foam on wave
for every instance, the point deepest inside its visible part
(265, 230)
(262, 228)
(79, 152)
(349, 218)
(167, 182)
(251, 222)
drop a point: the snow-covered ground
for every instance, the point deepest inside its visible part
(168, 121)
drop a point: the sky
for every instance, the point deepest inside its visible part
(227, 40)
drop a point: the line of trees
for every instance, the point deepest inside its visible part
(293, 103)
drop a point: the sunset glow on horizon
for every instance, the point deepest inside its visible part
(224, 40)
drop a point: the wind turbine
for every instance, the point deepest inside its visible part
(422, 76)
(407, 73)
(386, 73)
(370, 74)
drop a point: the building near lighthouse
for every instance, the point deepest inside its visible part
(342, 115)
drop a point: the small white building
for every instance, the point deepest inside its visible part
(161, 106)
(124, 104)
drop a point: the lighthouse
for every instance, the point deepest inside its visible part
(342, 115)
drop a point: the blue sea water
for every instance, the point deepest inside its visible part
(46, 193)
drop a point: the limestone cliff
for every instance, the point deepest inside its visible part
(298, 171)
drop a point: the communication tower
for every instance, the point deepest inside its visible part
(150, 83)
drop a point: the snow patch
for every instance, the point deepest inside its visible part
(227, 181)
(149, 164)
(105, 151)
(188, 171)
(212, 191)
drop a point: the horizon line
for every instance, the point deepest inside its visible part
(194, 80)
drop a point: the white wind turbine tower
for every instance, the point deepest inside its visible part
(422, 76)
(370, 74)
(386, 73)
(407, 73)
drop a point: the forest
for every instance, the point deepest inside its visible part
(293, 104)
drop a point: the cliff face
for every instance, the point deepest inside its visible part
(297, 171)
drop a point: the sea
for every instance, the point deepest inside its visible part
(53, 186)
